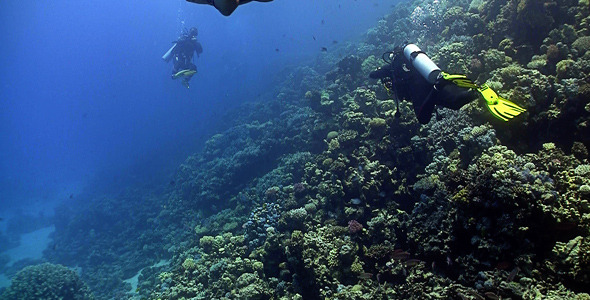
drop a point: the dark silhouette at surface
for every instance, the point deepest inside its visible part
(225, 7)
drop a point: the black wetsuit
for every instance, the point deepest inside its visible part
(410, 85)
(184, 52)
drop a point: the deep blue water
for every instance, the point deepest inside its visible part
(86, 101)
(84, 91)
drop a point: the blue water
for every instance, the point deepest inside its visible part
(86, 102)
(84, 91)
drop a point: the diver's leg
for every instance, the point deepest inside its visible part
(175, 68)
(185, 83)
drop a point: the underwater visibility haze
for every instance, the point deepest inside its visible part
(314, 154)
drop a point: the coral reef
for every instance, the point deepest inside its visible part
(330, 190)
(47, 281)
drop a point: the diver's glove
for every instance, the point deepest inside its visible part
(500, 108)
(381, 72)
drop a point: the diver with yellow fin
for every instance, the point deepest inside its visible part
(182, 54)
(409, 74)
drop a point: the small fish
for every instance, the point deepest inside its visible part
(172, 182)
(365, 276)
(313, 36)
(463, 297)
(71, 196)
(412, 262)
(324, 49)
(476, 295)
(492, 296)
(334, 42)
(512, 274)
(323, 22)
(1, 219)
(276, 49)
(503, 265)
(355, 201)
(399, 254)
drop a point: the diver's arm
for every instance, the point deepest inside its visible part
(198, 49)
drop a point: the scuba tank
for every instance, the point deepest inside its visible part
(168, 55)
(426, 67)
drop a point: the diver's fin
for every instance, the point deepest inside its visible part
(189, 73)
(178, 74)
(459, 80)
(184, 73)
(501, 108)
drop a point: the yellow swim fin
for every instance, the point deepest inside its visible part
(184, 73)
(501, 108)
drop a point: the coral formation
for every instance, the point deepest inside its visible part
(330, 190)
(47, 281)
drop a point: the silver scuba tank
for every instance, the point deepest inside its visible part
(168, 55)
(426, 67)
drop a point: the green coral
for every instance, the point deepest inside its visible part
(250, 286)
(189, 263)
(371, 63)
(582, 170)
(47, 281)
(494, 59)
(212, 244)
(565, 68)
(574, 256)
(377, 123)
(331, 135)
(453, 58)
(582, 44)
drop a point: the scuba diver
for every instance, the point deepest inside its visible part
(409, 74)
(225, 7)
(182, 55)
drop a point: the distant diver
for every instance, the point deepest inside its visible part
(225, 7)
(182, 55)
(409, 74)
